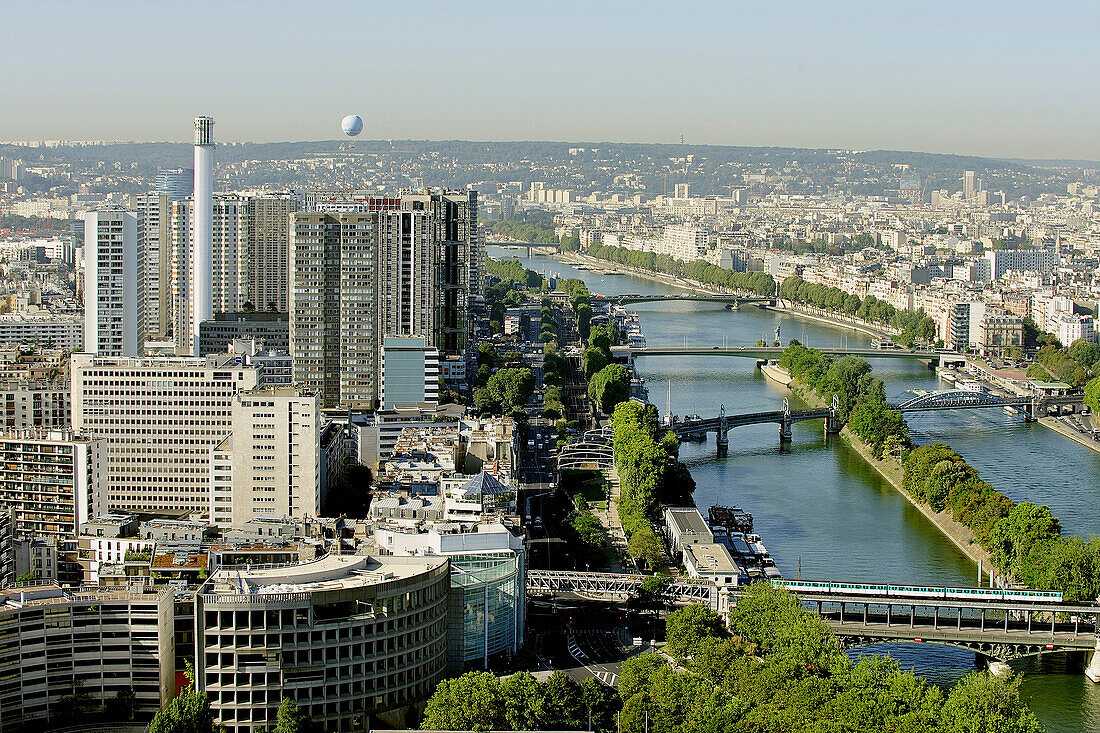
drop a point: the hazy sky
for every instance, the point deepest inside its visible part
(967, 76)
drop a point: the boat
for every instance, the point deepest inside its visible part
(1010, 410)
(733, 517)
(948, 377)
(970, 385)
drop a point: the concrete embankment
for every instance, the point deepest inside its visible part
(958, 533)
(1070, 433)
(838, 322)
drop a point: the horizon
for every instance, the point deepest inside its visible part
(861, 76)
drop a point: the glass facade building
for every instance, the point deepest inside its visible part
(486, 611)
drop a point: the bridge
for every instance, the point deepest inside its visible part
(997, 629)
(1032, 407)
(592, 452)
(731, 299)
(629, 353)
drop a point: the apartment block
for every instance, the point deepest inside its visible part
(51, 481)
(161, 419)
(35, 404)
(104, 641)
(114, 319)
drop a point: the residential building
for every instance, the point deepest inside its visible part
(1020, 260)
(268, 256)
(114, 280)
(1071, 327)
(105, 641)
(998, 331)
(7, 549)
(154, 214)
(684, 242)
(358, 636)
(51, 481)
(270, 463)
(59, 331)
(161, 418)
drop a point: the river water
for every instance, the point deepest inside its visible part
(820, 508)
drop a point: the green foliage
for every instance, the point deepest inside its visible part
(849, 378)
(787, 672)
(586, 536)
(687, 626)
(982, 703)
(915, 326)
(595, 359)
(883, 430)
(292, 719)
(1092, 395)
(518, 230)
(1066, 364)
(609, 386)
(479, 701)
(648, 476)
(506, 391)
(754, 283)
(188, 713)
(25, 577)
(1021, 532)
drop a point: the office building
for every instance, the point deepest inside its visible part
(175, 183)
(357, 636)
(971, 185)
(161, 419)
(410, 372)
(269, 327)
(270, 463)
(51, 481)
(100, 641)
(268, 252)
(113, 283)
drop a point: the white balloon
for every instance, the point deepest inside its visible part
(352, 125)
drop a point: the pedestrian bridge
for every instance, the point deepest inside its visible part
(998, 629)
(629, 353)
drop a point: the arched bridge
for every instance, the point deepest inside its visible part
(1032, 407)
(729, 299)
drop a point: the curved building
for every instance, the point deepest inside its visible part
(485, 617)
(347, 637)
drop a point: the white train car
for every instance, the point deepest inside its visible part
(1021, 595)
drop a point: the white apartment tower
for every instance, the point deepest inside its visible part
(154, 215)
(161, 419)
(270, 464)
(114, 319)
(202, 256)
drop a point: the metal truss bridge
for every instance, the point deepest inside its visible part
(724, 299)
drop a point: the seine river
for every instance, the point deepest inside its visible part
(818, 507)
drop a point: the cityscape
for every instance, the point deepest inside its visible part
(408, 422)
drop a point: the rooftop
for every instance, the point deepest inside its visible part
(332, 572)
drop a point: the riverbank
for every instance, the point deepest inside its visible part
(685, 284)
(1073, 435)
(958, 533)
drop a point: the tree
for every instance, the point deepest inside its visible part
(982, 703)
(584, 320)
(189, 712)
(25, 577)
(595, 359)
(686, 626)
(564, 702)
(1092, 395)
(473, 701)
(292, 719)
(121, 706)
(524, 702)
(646, 546)
(609, 387)
(1015, 536)
(506, 390)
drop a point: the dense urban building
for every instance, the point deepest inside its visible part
(113, 315)
(270, 327)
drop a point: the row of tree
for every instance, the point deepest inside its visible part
(755, 283)
(914, 325)
(518, 230)
(1024, 540)
(480, 701)
(780, 668)
(509, 284)
(1074, 365)
(649, 475)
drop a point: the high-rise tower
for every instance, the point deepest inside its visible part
(202, 250)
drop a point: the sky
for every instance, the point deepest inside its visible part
(998, 79)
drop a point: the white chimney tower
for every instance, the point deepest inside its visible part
(202, 250)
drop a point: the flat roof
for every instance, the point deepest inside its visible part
(687, 520)
(710, 558)
(332, 572)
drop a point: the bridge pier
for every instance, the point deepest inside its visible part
(1092, 667)
(785, 435)
(722, 439)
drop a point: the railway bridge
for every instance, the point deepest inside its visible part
(998, 629)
